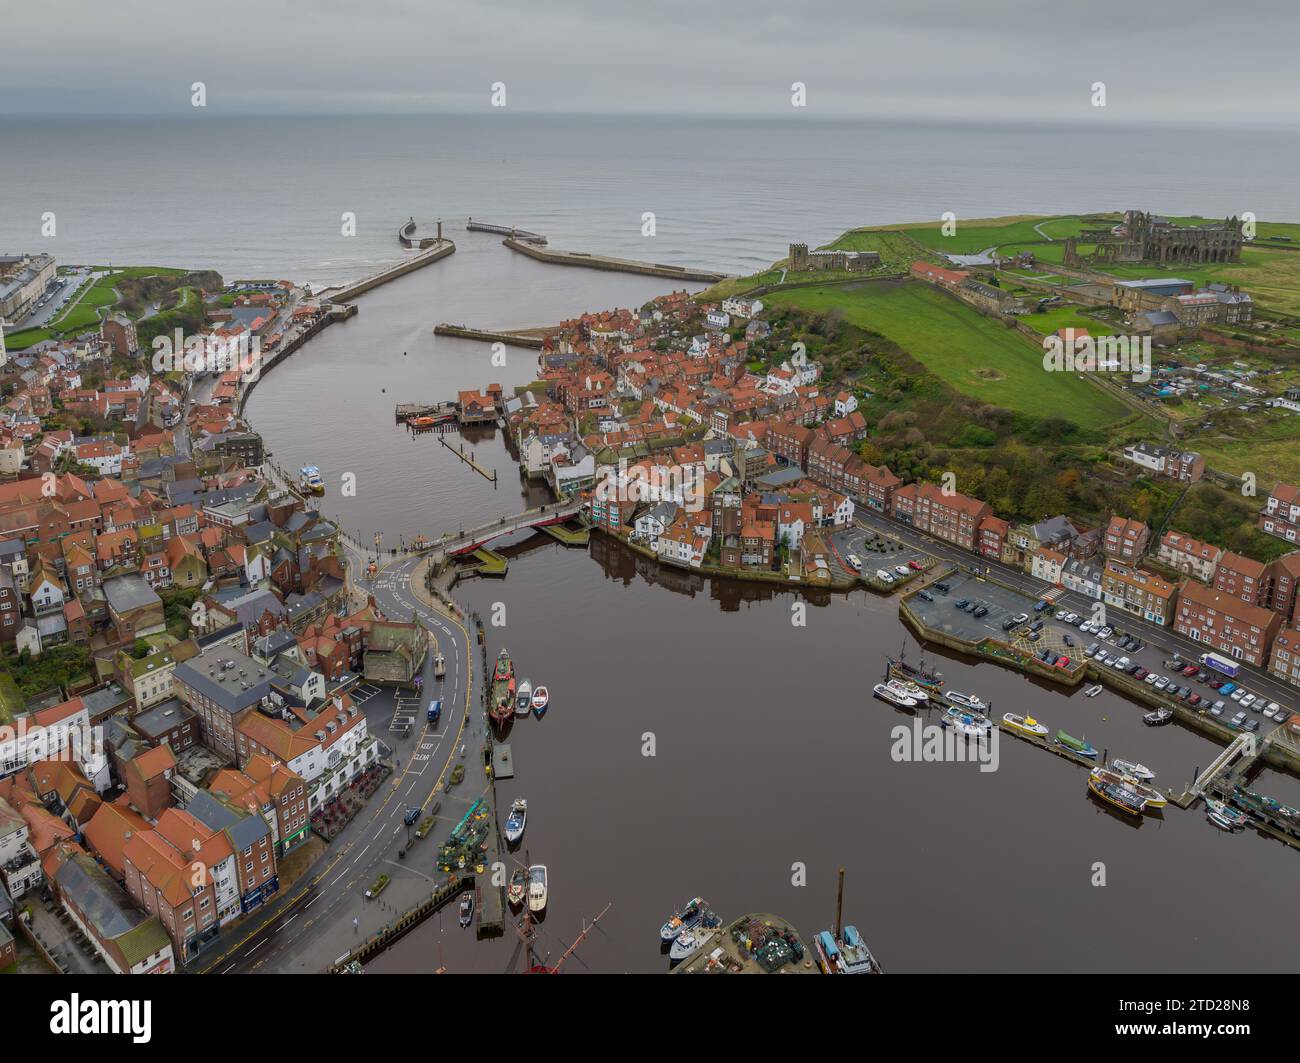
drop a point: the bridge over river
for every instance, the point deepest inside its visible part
(468, 541)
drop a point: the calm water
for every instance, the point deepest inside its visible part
(769, 752)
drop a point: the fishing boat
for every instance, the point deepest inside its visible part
(966, 701)
(541, 698)
(503, 688)
(524, 699)
(1154, 798)
(518, 888)
(685, 943)
(1235, 818)
(517, 820)
(970, 724)
(467, 909)
(1077, 745)
(1138, 771)
(1116, 794)
(1158, 717)
(1025, 725)
(687, 917)
(537, 893)
(847, 955)
(1220, 821)
(909, 690)
(900, 669)
(309, 480)
(884, 693)
(1092, 691)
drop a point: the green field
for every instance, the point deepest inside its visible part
(972, 353)
(1059, 317)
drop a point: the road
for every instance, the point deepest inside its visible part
(1259, 682)
(312, 919)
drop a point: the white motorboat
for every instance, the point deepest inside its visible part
(516, 821)
(537, 891)
(966, 701)
(884, 693)
(1138, 771)
(524, 698)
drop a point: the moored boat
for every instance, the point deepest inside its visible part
(909, 690)
(687, 917)
(900, 669)
(503, 688)
(1130, 767)
(1235, 818)
(524, 699)
(1025, 725)
(847, 955)
(517, 820)
(1093, 691)
(966, 701)
(1077, 745)
(1116, 794)
(1158, 717)
(1154, 798)
(541, 698)
(309, 480)
(537, 888)
(466, 909)
(1220, 821)
(518, 887)
(687, 942)
(884, 693)
(964, 722)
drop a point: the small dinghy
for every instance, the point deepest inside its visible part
(518, 888)
(541, 698)
(1092, 691)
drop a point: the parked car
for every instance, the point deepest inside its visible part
(1037, 625)
(1215, 684)
(925, 596)
(1067, 640)
(1239, 719)
(961, 603)
(1061, 614)
(1152, 678)
(1191, 669)
(915, 565)
(1141, 673)
(1201, 676)
(902, 570)
(1161, 682)
(1275, 709)
(1121, 664)
(1019, 618)
(1227, 688)
(1033, 636)
(943, 587)
(983, 610)
(1251, 725)
(1195, 699)
(1042, 604)
(1093, 647)
(855, 562)
(1105, 633)
(1216, 709)
(1064, 662)
(1238, 694)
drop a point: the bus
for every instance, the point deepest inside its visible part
(1220, 664)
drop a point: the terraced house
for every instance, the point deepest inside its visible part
(1226, 624)
(1138, 592)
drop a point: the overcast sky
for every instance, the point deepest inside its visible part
(1189, 60)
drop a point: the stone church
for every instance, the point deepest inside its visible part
(1143, 237)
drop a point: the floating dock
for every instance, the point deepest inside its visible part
(615, 265)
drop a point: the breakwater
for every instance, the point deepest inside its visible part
(513, 339)
(434, 253)
(504, 230)
(615, 265)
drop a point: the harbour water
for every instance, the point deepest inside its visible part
(770, 755)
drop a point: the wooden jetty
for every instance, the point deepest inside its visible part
(408, 411)
(468, 459)
(1051, 746)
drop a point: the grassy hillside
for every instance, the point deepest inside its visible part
(974, 354)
